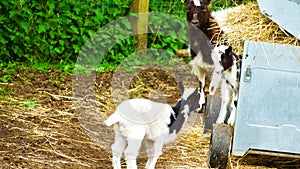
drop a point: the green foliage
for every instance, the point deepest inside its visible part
(216, 5)
(52, 32)
(16, 135)
(174, 7)
(117, 54)
(5, 91)
(174, 32)
(30, 105)
(47, 33)
(6, 79)
(156, 39)
(7, 72)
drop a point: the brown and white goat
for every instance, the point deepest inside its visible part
(204, 61)
(198, 15)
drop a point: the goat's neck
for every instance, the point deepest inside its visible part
(179, 119)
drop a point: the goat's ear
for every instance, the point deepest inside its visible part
(240, 57)
(181, 87)
(228, 50)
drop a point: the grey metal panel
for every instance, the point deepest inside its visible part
(268, 111)
(285, 13)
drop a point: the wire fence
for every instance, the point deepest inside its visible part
(174, 7)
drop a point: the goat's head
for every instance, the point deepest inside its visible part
(226, 56)
(190, 98)
(197, 12)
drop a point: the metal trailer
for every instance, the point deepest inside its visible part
(268, 109)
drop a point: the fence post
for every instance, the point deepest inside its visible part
(140, 25)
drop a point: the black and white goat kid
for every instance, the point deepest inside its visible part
(207, 66)
(229, 83)
(156, 123)
(224, 71)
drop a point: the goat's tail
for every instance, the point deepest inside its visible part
(114, 118)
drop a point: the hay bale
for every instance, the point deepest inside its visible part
(248, 23)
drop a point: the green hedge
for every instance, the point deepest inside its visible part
(51, 31)
(54, 32)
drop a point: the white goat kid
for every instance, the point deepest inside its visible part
(138, 119)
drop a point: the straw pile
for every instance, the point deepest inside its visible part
(248, 23)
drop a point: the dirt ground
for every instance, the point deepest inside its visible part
(39, 126)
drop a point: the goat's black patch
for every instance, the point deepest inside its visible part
(177, 123)
(227, 58)
(192, 102)
(176, 110)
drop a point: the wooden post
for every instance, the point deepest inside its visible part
(140, 25)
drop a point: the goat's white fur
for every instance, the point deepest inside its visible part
(229, 88)
(197, 2)
(131, 128)
(201, 70)
(132, 133)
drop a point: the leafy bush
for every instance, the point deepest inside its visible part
(216, 5)
(156, 39)
(176, 28)
(52, 31)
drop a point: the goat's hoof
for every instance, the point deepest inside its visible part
(230, 122)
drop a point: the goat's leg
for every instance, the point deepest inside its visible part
(157, 147)
(151, 162)
(117, 150)
(225, 100)
(202, 97)
(131, 152)
(215, 82)
(231, 119)
(151, 154)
